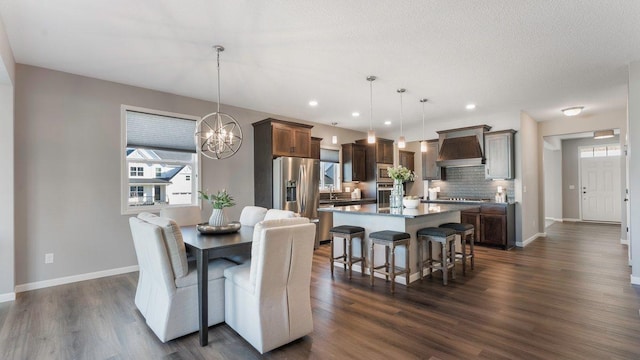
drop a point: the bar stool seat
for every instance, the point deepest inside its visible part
(390, 240)
(466, 232)
(347, 232)
(446, 238)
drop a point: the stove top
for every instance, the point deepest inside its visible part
(462, 199)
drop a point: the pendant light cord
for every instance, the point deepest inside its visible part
(423, 118)
(371, 105)
(218, 51)
(401, 115)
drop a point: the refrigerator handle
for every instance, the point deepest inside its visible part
(302, 193)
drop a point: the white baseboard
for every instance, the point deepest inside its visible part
(624, 241)
(635, 280)
(554, 219)
(530, 240)
(7, 297)
(75, 278)
(572, 220)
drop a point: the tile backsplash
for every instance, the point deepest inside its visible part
(469, 182)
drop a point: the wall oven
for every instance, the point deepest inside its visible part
(384, 194)
(382, 175)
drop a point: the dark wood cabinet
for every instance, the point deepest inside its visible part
(273, 138)
(291, 140)
(384, 151)
(431, 171)
(315, 148)
(494, 223)
(406, 159)
(499, 152)
(354, 165)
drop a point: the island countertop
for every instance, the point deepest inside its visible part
(422, 210)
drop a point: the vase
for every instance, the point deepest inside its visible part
(218, 217)
(395, 200)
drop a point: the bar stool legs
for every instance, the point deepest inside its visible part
(446, 239)
(466, 231)
(390, 240)
(347, 233)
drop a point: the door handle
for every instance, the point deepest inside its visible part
(584, 192)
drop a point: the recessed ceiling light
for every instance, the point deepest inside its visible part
(572, 111)
(388, 122)
(355, 114)
(313, 103)
(470, 106)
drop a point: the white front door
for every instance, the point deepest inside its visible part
(600, 188)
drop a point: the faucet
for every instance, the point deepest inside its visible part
(332, 196)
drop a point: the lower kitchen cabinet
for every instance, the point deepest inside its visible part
(494, 223)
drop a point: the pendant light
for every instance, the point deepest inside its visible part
(334, 138)
(218, 135)
(423, 143)
(401, 142)
(371, 135)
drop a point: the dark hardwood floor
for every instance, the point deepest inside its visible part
(566, 296)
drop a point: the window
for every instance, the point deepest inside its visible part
(329, 169)
(136, 171)
(599, 151)
(159, 152)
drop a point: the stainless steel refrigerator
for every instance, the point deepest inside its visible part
(296, 183)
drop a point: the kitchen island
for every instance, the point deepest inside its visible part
(373, 219)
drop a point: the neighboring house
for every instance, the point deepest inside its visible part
(153, 182)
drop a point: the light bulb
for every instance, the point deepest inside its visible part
(401, 143)
(423, 146)
(371, 137)
(334, 139)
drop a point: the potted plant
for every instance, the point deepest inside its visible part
(218, 201)
(399, 174)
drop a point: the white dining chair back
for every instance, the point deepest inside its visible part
(251, 215)
(273, 214)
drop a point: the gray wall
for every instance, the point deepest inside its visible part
(571, 173)
(634, 168)
(528, 224)
(7, 232)
(67, 156)
(553, 184)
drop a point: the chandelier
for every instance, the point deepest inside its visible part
(218, 135)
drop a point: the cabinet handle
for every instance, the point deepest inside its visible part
(488, 172)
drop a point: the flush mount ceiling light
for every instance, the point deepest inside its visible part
(572, 111)
(371, 135)
(313, 103)
(470, 106)
(355, 114)
(401, 142)
(388, 122)
(423, 143)
(218, 135)
(603, 134)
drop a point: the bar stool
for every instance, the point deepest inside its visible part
(464, 230)
(446, 238)
(390, 240)
(347, 232)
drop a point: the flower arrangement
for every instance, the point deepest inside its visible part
(401, 173)
(220, 200)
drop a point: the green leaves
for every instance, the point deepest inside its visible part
(400, 173)
(218, 201)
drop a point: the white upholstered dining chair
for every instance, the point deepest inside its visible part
(273, 214)
(167, 292)
(251, 215)
(267, 300)
(182, 215)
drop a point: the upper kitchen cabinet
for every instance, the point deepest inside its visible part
(315, 147)
(499, 151)
(384, 151)
(273, 138)
(406, 159)
(354, 166)
(430, 170)
(291, 139)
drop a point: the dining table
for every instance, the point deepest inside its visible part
(212, 246)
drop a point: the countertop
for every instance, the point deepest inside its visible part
(422, 210)
(469, 202)
(346, 200)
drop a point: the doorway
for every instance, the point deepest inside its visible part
(600, 182)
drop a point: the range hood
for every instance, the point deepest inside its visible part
(462, 147)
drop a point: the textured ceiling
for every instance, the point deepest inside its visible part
(537, 56)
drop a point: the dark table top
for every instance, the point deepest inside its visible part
(194, 238)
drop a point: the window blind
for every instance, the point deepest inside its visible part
(159, 132)
(328, 155)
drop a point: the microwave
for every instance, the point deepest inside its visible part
(382, 175)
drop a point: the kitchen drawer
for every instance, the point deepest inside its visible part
(493, 209)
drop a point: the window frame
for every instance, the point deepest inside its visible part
(337, 188)
(125, 209)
